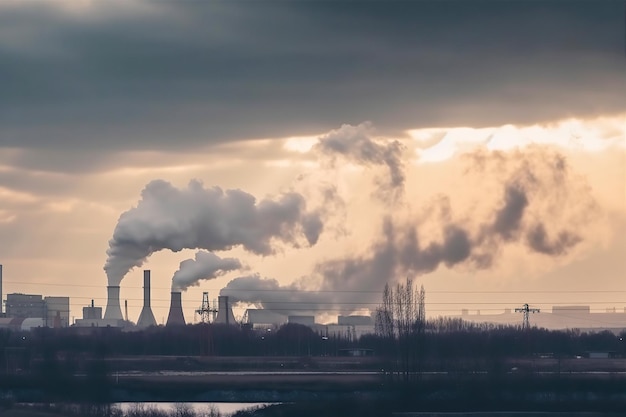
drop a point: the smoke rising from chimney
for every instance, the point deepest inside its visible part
(206, 265)
(268, 293)
(195, 217)
(540, 206)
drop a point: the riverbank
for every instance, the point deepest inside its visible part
(438, 392)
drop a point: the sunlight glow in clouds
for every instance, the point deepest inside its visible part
(8, 195)
(300, 144)
(439, 144)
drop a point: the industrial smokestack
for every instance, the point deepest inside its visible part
(113, 310)
(146, 318)
(176, 316)
(0, 290)
(224, 311)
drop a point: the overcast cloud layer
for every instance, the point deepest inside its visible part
(168, 75)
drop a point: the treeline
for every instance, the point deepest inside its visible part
(455, 338)
(189, 340)
(442, 338)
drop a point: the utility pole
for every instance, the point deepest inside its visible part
(526, 310)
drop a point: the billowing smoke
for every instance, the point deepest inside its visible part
(213, 219)
(269, 294)
(206, 265)
(539, 205)
(539, 241)
(508, 219)
(355, 144)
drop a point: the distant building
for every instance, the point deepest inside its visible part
(92, 312)
(57, 311)
(304, 320)
(261, 318)
(578, 310)
(92, 317)
(25, 305)
(53, 311)
(558, 317)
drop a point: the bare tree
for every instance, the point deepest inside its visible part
(400, 321)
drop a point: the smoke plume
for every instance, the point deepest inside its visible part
(355, 144)
(538, 204)
(269, 294)
(206, 265)
(195, 217)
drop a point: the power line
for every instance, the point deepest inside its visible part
(336, 291)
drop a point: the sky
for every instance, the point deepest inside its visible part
(299, 155)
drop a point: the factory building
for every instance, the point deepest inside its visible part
(558, 317)
(92, 312)
(21, 324)
(25, 305)
(57, 311)
(51, 311)
(92, 315)
(264, 319)
(303, 320)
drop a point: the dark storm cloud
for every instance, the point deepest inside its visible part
(165, 75)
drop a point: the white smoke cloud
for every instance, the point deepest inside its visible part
(213, 219)
(269, 294)
(540, 204)
(206, 265)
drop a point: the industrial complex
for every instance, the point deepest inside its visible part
(27, 311)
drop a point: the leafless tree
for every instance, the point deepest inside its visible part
(400, 320)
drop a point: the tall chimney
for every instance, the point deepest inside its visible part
(113, 310)
(224, 312)
(146, 318)
(176, 316)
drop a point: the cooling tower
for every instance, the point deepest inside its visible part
(146, 318)
(113, 310)
(176, 317)
(224, 312)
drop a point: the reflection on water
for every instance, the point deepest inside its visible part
(225, 408)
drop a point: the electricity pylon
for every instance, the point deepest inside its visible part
(525, 310)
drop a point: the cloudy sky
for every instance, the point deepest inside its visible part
(315, 151)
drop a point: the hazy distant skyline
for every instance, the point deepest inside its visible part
(424, 113)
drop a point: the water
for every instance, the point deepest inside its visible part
(225, 408)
